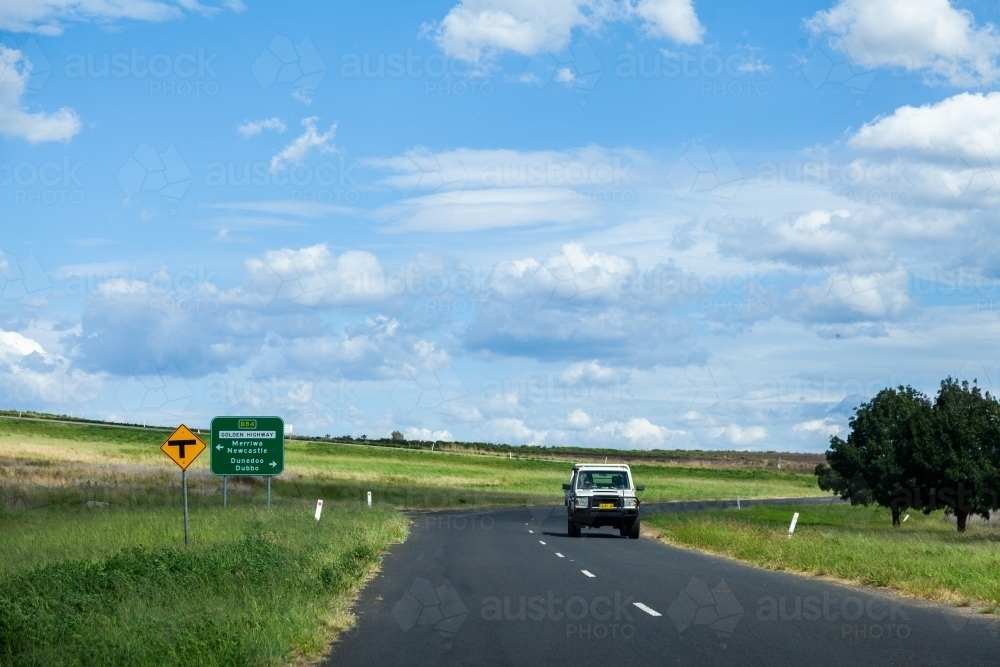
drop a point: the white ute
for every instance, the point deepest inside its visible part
(602, 495)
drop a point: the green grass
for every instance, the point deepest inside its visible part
(925, 557)
(258, 586)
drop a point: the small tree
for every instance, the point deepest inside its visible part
(398, 437)
(875, 463)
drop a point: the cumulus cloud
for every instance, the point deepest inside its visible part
(49, 17)
(251, 128)
(740, 435)
(965, 126)
(578, 418)
(512, 431)
(313, 276)
(14, 346)
(673, 19)
(427, 435)
(636, 432)
(310, 140)
(477, 28)
(591, 372)
(15, 119)
(928, 36)
(579, 305)
(826, 427)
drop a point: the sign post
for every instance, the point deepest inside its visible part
(248, 446)
(183, 447)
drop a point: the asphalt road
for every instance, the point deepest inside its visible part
(508, 587)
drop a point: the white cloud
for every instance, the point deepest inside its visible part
(591, 372)
(313, 276)
(929, 36)
(965, 126)
(572, 274)
(15, 119)
(513, 431)
(673, 19)
(578, 419)
(474, 189)
(637, 431)
(48, 17)
(642, 430)
(304, 144)
(477, 28)
(825, 427)
(14, 346)
(739, 435)
(251, 128)
(427, 435)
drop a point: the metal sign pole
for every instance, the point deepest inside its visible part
(225, 479)
(184, 481)
(268, 490)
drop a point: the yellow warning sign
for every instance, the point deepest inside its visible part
(183, 446)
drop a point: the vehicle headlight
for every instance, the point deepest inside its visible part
(630, 503)
(583, 502)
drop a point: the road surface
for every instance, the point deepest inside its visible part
(508, 587)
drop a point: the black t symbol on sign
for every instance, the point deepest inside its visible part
(180, 445)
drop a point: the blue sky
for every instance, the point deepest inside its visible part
(633, 224)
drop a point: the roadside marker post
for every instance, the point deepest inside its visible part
(738, 503)
(319, 508)
(369, 499)
(183, 447)
(795, 520)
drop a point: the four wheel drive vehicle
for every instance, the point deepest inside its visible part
(602, 495)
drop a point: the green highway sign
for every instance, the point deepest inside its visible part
(248, 446)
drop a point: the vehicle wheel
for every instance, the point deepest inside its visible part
(633, 531)
(572, 529)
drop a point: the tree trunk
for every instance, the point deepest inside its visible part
(961, 516)
(895, 517)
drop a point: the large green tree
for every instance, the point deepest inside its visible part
(876, 463)
(958, 468)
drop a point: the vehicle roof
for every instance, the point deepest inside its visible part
(602, 466)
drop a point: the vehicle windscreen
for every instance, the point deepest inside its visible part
(590, 480)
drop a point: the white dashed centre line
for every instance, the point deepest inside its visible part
(540, 542)
(560, 555)
(588, 574)
(648, 610)
(531, 531)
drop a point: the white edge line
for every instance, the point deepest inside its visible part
(648, 610)
(588, 573)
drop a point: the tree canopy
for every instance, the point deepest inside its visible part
(905, 452)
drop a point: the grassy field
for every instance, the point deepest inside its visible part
(98, 463)
(925, 557)
(93, 569)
